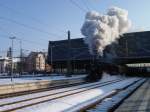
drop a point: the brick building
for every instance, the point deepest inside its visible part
(35, 62)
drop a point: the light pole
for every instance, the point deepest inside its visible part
(69, 66)
(21, 64)
(12, 40)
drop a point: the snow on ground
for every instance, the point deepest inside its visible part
(28, 96)
(4, 81)
(107, 76)
(109, 103)
(69, 103)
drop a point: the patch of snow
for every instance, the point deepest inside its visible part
(109, 103)
(68, 103)
(107, 76)
(39, 94)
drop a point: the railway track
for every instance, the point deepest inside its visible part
(15, 103)
(136, 101)
(109, 104)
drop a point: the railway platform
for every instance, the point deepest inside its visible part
(26, 85)
(139, 101)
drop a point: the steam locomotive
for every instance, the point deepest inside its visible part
(95, 70)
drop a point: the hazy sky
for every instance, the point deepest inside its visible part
(37, 21)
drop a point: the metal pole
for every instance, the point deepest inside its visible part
(20, 57)
(69, 56)
(12, 38)
(12, 62)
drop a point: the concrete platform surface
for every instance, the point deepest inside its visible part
(7, 81)
(35, 83)
(139, 101)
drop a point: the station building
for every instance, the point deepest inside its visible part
(133, 44)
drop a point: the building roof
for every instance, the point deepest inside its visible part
(34, 54)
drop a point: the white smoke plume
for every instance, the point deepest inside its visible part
(102, 30)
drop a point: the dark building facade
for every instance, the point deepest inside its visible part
(134, 44)
(129, 45)
(59, 53)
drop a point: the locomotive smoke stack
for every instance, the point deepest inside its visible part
(102, 30)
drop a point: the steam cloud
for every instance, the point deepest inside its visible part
(102, 30)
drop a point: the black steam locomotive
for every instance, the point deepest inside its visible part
(96, 69)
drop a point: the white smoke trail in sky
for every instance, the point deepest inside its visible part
(102, 30)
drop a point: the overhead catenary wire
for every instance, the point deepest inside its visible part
(34, 42)
(28, 26)
(19, 12)
(28, 41)
(26, 15)
(77, 5)
(24, 51)
(90, 2)
(4, 30)
(86, 5)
